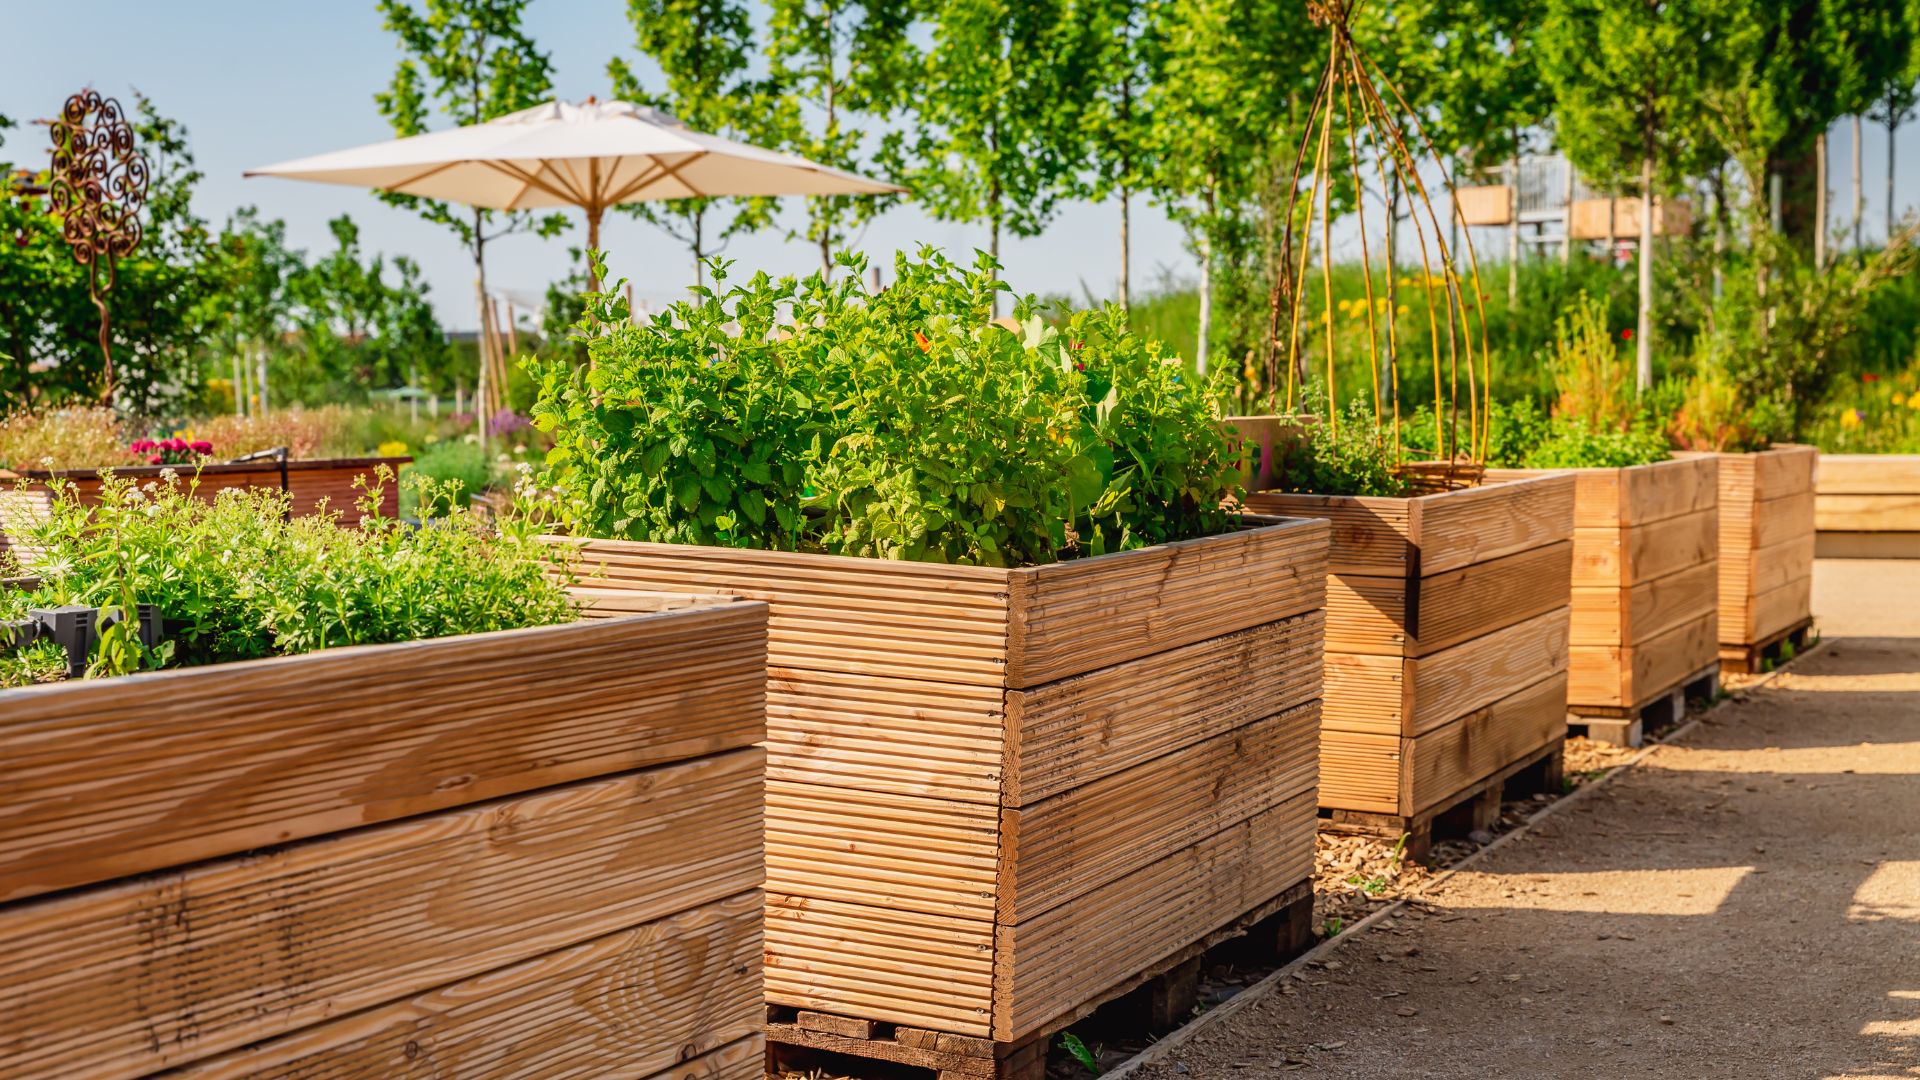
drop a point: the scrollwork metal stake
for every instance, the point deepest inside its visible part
(98, 185)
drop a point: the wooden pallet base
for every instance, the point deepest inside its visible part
(1627, 726)
(1751, 659)
(800, 1039)
(1474, 809)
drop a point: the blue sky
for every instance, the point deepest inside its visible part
(259, 82)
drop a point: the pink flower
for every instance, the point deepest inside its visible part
(202, 446)
(156, 459)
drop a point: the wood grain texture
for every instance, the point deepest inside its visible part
(1051, 963)
(1449, 684)
(315, 485)
(110, 777)
(1867, 513)
(630, 1004)
(1065, 846)
(881, 963)
(1075, 731)
(1441, 763)
(1766, 540)
(1613, 676)
(1869, 474)
(1369, 535)
(1091, 613)
(1360, 770)
(1628, 616)
(1628, 555)
(1458, 528)
(1459, 605)
(899, 852)
(233, 951)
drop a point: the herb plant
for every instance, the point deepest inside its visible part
(810, 416)
(1355, 457)
(234, 578)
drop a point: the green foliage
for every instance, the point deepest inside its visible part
(809, 416)
(456, 468)
(839, 69)
(235, 579)
(703, 47)
(1353, 457)
(1078, 1050)
(472, 61)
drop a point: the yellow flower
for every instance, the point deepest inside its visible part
(391, 448)
(1899, 398)
(1914, 402)
(1850, 419)
(1401, 310)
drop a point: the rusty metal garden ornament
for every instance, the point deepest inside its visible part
(98, 185)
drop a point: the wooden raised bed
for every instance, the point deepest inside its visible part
(997, 797)
(1867, 506)
(1766, 551)
(379, 861)
(1645, 591)
(320, 481)
(1447, 635)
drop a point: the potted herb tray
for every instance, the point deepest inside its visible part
(370, 860)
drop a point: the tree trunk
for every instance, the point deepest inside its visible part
(700, 247)
(1893, 128)
(1566, 231)
(1643, 338)
(1820, 201)
(480, 337)
(239, 382)
(266, 407)
(1513, 234)
(1859, 196)
(1126, 251)
(1719, 187)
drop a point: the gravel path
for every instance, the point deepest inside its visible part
(1746, 903)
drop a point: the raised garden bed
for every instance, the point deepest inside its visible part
(997, 798)
(1446, 643)
(1645, 590)
(328, 481)
(374, 861)
(1867, 506)
(1766, 551)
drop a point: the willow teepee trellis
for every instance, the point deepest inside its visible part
(1349, 96)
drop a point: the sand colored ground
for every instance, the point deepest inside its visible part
(1743, 904)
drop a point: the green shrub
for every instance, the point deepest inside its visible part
(810, 416)
(450, 472)
(235, 579)
(1352, 457)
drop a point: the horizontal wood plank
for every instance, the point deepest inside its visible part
(898, 966)
(1361, 770)
(1369, 535)
(1446, 761)
(1063, 847)
(1073, 617)
(1869, 474)
(1075, 731)
(633, 1003)
(105, 778)
(173, 967)
(1458, 528)
(1867, 513)
(1449, 684)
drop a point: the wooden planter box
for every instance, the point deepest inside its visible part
(995, 796)
(1447, 624)
(1645, 584)
(328, 481)
(1766, 551)
(1867, 506)
(379, 861)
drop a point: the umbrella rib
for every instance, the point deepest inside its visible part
(674, 171)
(393, 189)
(638, 182)
(533, 180)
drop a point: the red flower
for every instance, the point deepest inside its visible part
(1869, 376)
(202, 446)
(1627, 334)
(156, 459)
(920, 339)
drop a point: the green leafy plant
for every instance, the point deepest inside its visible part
(1334, 925)
(234, 578)
(807, 415)
(1348, 458)
(1072, 1045)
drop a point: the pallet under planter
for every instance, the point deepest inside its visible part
(993, 791)
(1645, 592)
(1867, 506)
(1447, 632)
(1766, 550)
(374, 861)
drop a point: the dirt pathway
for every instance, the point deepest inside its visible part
(1744, 904)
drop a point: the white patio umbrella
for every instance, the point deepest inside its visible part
(592, 155)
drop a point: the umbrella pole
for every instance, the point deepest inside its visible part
(593, 247)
